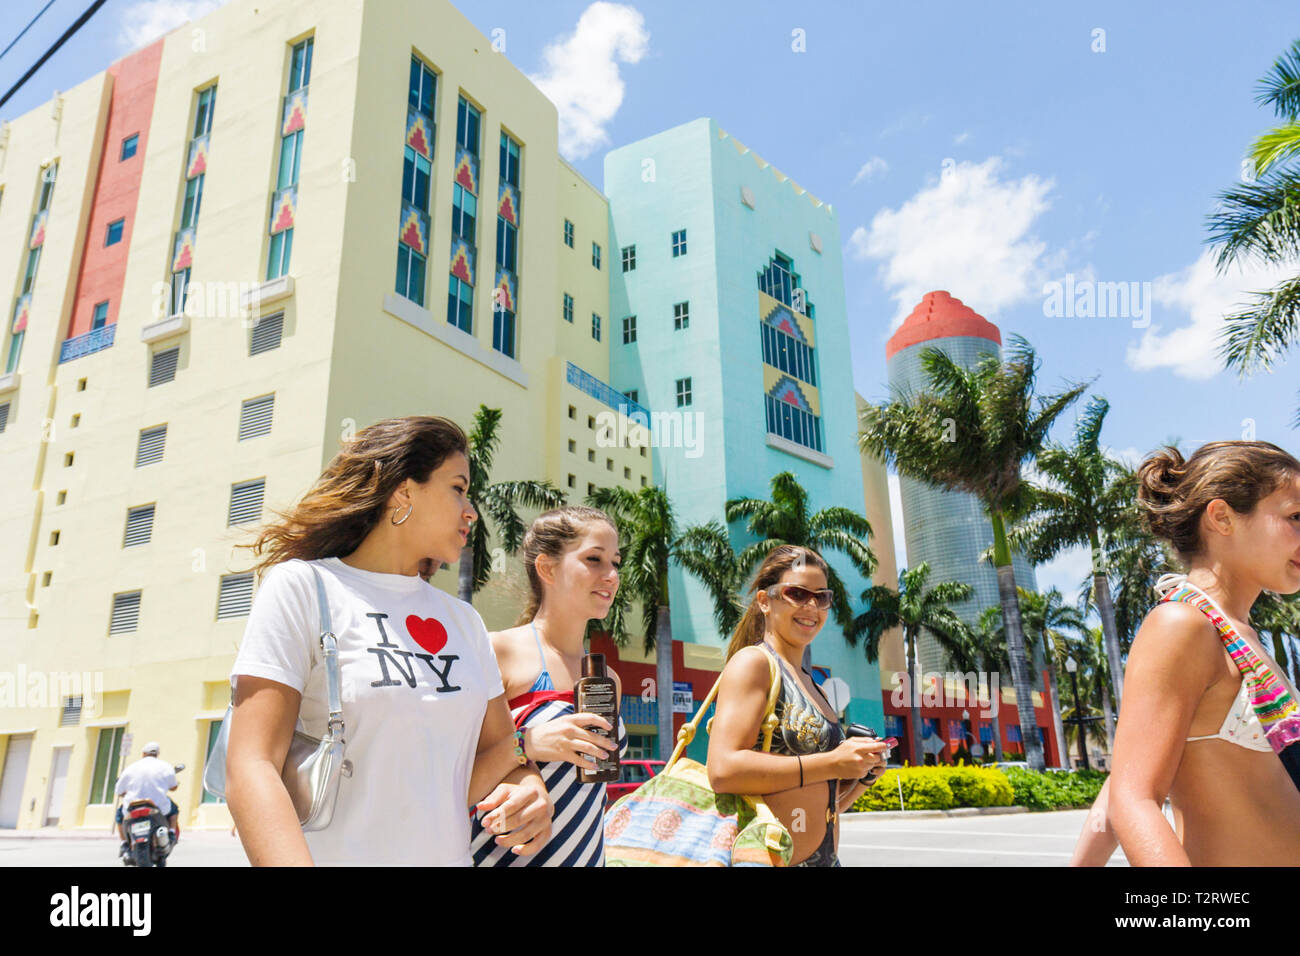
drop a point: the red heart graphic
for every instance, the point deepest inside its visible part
(428, 632)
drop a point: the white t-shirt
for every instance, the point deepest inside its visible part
(149, 778)
(417, 671)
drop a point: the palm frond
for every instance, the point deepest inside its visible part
(705, 551)
(1275, 147)
(1259, 220)
(1256, 337)
(1280, 87)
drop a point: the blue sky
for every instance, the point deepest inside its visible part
(984, 149)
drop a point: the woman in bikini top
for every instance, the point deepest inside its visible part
(1232, 513)
(811, 773)
(802, 729)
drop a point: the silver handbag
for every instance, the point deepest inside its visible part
(313, 766)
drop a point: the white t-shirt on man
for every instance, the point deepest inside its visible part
(149, 778)
(417, 671)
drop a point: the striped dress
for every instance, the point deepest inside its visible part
(577, 827)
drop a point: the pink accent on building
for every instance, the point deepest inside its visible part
(939, 316)
(117, 187)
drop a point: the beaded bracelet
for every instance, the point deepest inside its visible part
(519, 747)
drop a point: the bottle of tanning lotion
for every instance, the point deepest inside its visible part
(596, 693)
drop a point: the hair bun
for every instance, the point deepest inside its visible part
(1159, 476)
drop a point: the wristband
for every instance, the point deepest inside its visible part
(519, 747)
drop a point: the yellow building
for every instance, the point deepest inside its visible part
(239, 233)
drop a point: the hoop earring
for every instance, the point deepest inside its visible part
(409, 509)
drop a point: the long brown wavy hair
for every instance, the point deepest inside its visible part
(351, 494)
(779, 560)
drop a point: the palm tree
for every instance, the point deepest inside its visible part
(914, 608)
(497, 501)
(989, 647)
(706, 552)
(1261, 220)
(1093, 676)
(1046, 616)
(973, 431)
(1135, 560)
(1085, 499)
(785, 520)
(647, 526)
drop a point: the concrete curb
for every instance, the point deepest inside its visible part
(920, 814)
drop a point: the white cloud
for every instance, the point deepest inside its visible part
(146, 20)
(970, 232)
(581, 76)
(961, 137)
(1201, 295)
(870, 169)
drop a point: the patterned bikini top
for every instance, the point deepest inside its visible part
(801, 727)
(1268, 704)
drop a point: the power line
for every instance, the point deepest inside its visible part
(67, 34)
(25, 29)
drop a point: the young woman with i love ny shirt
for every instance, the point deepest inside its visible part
(428, 735)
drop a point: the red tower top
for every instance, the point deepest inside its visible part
(939, 316)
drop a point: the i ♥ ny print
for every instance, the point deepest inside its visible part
(426, 632)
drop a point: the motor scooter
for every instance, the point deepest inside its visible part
(149, 841)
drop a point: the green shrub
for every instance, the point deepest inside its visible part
(937, 788)
(942, 788)
(979, 787)
(1054, 789)
(924, 788)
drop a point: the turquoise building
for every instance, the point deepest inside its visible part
(728, 322)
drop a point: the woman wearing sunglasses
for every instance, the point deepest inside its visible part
(812, 773)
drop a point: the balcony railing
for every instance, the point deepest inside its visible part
(588, 383)
(92, 341)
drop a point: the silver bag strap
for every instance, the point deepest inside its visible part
(214, 773)
(330, 652)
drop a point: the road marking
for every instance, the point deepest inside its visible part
(1003, 833)
(948, 849)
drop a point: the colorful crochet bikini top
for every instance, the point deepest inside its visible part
(1274, 706)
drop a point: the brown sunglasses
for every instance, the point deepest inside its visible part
(797, 596)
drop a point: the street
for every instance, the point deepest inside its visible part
(196, 848)
(1021, 839)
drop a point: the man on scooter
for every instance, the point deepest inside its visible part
(148, 779)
